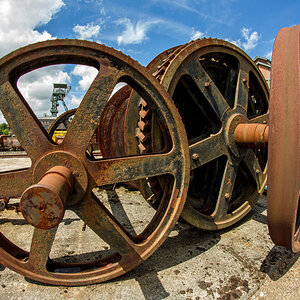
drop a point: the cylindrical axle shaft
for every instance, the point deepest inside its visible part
(252, 135)
(43, 204)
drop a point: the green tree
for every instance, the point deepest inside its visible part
(4, 129)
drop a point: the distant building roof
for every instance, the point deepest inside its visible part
(263, 61)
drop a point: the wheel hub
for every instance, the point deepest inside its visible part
(43, 204)
(233, 121)
(63, 158)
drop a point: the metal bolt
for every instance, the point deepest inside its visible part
(2, 205)
(244, 80)
(227, 196)
(195, 156)
(207, 84)
(257, 171)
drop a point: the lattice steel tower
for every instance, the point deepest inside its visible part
(60, 91)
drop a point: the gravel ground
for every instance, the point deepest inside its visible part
(240, 262)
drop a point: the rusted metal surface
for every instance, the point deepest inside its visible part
(43, 204)
(111, 126)
(64, 121)
(252, 135)
(215, 87)
(126, 250)
(284, 140)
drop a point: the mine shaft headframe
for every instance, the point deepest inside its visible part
(60, 91)
(62, 177)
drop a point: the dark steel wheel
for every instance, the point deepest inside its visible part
(215, 87)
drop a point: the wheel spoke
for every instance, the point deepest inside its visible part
(14, 183)
(242, 92)
(105, 225)
(261, 119)
(208, 88)
(254, 168)
(124, 169)
(41, 246)
(207, 150)
(87, 116)
(226, 190)
(30, 133)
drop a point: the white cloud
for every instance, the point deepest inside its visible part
(134, 33)
(37, 86)
(87, 75)
(196, 34)
(75, 101)
(85, 32)
(268, 55)
(19, 18)
(250, 39)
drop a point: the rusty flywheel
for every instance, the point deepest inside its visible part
(215, 87)
(284, 141)
(62, 176)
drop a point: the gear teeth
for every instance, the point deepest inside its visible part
(144, 125)
(143, 103)
(141, 136)
(143, 149)
(145, 114)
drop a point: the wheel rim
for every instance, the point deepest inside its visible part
(284, 141)
(113, 67)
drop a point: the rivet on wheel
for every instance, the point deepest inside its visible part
(227, 196)
(195, 156)
(207, 84)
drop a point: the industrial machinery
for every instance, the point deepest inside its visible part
(196, 130)
(215, 87)
(63, 176)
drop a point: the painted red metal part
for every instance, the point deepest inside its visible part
(43, 204)
(252, 135)
(284, 140)
(128, 251)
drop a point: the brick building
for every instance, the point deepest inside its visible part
(264, 66)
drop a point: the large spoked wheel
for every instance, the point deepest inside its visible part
(284, 141)
(216, 87)
(127, 251)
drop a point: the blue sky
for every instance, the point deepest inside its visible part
(140, 29)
